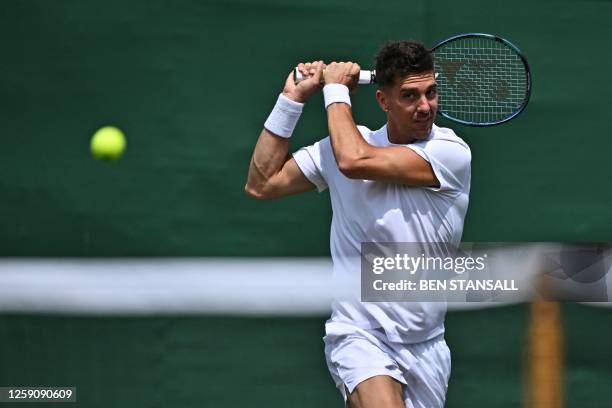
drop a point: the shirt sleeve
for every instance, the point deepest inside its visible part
(309, 159)
(450, 162)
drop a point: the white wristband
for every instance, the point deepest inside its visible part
(334, 93)
(284, 116)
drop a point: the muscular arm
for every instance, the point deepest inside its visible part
(273, 173)
(358, 159)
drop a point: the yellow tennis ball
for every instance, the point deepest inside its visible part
(108, 143)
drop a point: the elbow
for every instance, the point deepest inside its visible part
(350, 168)
(353, 165)
(259, 194)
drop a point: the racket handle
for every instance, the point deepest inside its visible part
(365, 77)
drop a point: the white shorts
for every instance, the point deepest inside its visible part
(354, 355)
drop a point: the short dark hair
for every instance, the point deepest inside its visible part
(400, 58)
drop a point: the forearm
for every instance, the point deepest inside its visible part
(347, 143)
(271, 150)
(269, 156)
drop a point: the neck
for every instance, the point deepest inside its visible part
(397, 135)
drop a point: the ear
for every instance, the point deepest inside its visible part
(381, 97)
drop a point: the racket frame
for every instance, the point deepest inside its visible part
(518, 52)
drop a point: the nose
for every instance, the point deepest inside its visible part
(423, 107)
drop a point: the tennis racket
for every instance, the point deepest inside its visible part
(483, 79)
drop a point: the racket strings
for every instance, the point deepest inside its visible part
(480, 80)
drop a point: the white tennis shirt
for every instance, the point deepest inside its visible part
(372, 211)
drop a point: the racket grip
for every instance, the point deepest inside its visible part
(365, 77)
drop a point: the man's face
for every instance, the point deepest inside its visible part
(412, 103)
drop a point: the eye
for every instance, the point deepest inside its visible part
(408, 95)
(432, 93)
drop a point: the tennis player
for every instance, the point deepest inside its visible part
(405, 182)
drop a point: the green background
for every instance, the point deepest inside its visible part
(191, 83)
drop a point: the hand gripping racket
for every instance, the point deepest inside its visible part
(483, 80)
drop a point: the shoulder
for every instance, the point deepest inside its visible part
(444, 142)
(442, 134)
(449, 156)
(446, 148)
